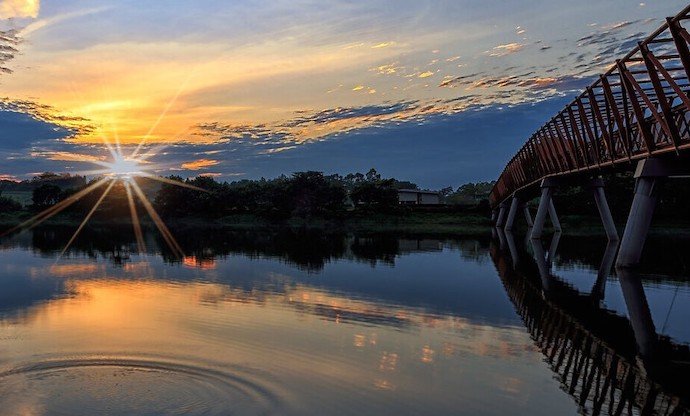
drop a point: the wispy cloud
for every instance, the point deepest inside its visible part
(382, 45)
(68, 156)
(504, 50)
(47, 22)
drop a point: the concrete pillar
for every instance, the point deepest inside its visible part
(639, 220)
(649, 174)
(510, 240)
(551, 255)
(597, 185)
(515, 203)
(599, 289)
(528, 216)
(501, 214)
(554, 217)
(501, 238)
(543, 267)
(545, 206)
(638, 311)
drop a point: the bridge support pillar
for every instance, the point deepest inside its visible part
(514, 205)
(554, 217)
(599, 289)
(638, 311)
(528, 216)
(501, 214)
(545, 207)
(648, 175)
(597, 186)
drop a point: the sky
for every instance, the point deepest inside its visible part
(440, 92)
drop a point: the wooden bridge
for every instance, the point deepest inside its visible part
(634, 116)
(607, 363)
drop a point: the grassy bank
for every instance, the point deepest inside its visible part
(449, 222)
(404, 221)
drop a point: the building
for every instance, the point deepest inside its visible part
(417, 197)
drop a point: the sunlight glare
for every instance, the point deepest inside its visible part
(124, 168)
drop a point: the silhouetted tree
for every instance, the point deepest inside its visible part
(9, 204)
(312, 194)
(46, 195)
(378, 195)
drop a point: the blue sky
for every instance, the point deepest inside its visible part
(436, 92)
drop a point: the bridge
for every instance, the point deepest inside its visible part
(634, 116)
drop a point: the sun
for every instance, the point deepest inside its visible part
(124, 168)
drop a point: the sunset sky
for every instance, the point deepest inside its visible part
(436, 92)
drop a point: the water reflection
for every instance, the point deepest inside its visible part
(308, 322)
(246, 323)
(308, 249)
(608, 363)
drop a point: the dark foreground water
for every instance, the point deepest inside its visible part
(298, 322)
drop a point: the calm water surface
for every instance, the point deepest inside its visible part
(298, 322)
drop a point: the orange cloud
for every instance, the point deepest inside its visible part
(19, 8)
(68, 156)
(199, 164)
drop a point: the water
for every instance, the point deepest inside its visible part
(305, 322)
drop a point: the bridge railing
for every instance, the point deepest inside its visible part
(639, 108)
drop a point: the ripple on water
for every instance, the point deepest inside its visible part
(130, 385)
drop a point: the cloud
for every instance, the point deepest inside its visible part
(199, 164)
(382, 45)
(281, 149)
(387, 69)
(11, 9)
(22, 131)
(68, 156)
(368, 112)
(8, 42)
(504, 50)
(622, 24)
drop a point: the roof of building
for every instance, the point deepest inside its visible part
(417, 191)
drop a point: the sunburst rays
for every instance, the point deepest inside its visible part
(122, 169)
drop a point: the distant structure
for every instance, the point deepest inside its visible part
(417, 197)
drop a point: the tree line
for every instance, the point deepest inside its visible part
(303, 194)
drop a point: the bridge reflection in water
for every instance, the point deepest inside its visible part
(608, 363)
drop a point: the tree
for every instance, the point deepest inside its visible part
(378, 195)
(312, 194)
(372, 175)
(46, 195)
(9, 204)
(172, 200)
(470, 193)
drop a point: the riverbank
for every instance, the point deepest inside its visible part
(439, 222)
(448, 222)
